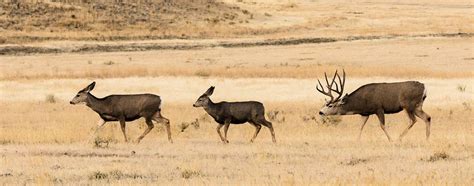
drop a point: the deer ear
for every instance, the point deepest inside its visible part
(209, 91)
(90, 87)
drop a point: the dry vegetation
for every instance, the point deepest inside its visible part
(45, 140)
(45, 20)
(26, 21)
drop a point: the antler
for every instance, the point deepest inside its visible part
(322, 90)
(329, 86)
(341, 84)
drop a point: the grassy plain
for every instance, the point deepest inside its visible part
(45, 140)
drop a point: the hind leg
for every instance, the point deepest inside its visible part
(257, 130)
(411, 116)
(160, 119)
(425, 117)
(150, 125)
(268, 124)
(380, 115)
(122, 126)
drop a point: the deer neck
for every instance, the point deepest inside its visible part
(349, 108)
(95, 103)
(211, 108)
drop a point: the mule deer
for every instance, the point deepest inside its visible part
(226, 113)
(124, 108)
(378, 99)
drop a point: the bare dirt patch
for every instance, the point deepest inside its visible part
(130, 46)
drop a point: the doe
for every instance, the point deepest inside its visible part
(226, 113)
(124, 108)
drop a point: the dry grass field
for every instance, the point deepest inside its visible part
(44, 140)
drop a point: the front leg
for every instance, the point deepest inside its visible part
(219, 126)
(122, 126)
(226, 127)
(364, 121)
(100, 124)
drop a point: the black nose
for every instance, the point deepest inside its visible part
(71, 103)
(194, 105)
(321, 113)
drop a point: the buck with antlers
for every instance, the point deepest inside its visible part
(124, 108)
(378, 99)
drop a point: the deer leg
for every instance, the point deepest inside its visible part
(219, 126)
(166, 122)
(122, 126)
(381, 117)
(257, 130)
(270, 127)
(150, 125)
(100, 124)
(425, 117)
(226, 127)
(412, 118)
(364, 121)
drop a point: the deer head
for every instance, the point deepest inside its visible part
(81, 96)
(334, 104)
(204, 99)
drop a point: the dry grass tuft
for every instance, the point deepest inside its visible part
(437, 156)
(461, 88)
(98, 175)
(190, 173)
(202, 73)
(196, 124)
(331, 120)
(50, 98)
(103, 142)
(109, 63)
(354, 161)
(276, 116)
(114, 175)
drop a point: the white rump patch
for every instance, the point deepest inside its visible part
(424, 91)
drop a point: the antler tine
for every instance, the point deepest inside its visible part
(341, 84)
(334, 81)
(343, 80)
(326, 77)
(328, 93)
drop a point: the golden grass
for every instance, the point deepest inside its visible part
(44, 142)
(307, 152)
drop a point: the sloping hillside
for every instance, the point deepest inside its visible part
(86, 18)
